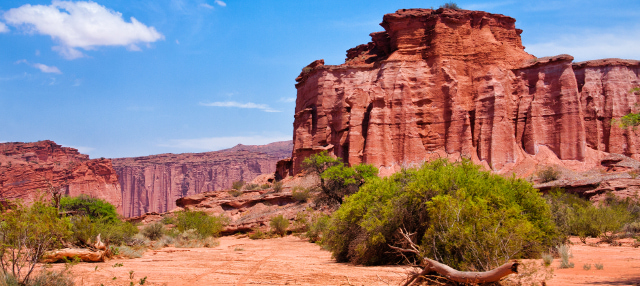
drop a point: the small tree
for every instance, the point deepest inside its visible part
(279, 224)
(631, 119)
(336, 179)
(25, 234)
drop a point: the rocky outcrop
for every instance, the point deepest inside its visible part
(154, 183)
(28, 170)
(458, 83)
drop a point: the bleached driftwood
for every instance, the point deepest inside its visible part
(99, 253)
(430, 265)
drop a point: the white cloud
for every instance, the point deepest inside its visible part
(220, 3)
(288, 99)
(3, 28)
(217, 143)
(85, 25)
(205, 5)
(42, 67)
(250, 105)
(591, 45)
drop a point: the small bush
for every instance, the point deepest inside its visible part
(168, 220)
(547, 258)
(251, 187)
(565, 253)
(586, 266)
(450, 5)
(153, 231)
(130, 252)
(265, 186)
(257, 234)
(318, 225)
(41, 278)
(599, 266)
(191, 239)
(235, 193)
(301, 194)
(203, 224)
(237, 185)
(548, 174)
(277, 187)
(279, 225)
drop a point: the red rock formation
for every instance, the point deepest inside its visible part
(458, 83)
(28, 167)
(153, 183)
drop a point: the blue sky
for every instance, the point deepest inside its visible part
(131, 78)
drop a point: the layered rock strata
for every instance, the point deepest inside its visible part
(458, 83)
(154, 183)
(29, 170)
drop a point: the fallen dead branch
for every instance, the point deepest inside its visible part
(430, 265)
(98, 252)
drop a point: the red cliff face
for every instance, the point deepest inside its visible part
(458, 83)
(28, 167)
(154, 183)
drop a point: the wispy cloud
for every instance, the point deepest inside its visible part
(42, 67)
(235, 104)
(206, 6)
(220, 3)
(217, 143)
(3, 28)
(287, 99)
(590, 45)
(84, 25)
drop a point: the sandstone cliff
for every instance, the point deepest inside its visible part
(154, 183)
(26, 168)
(458, 83)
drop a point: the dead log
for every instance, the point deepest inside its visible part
(83, 254)
(97, 252)
(430, 265)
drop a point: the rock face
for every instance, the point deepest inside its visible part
(28, 167)
(458, 83)
(153, 183)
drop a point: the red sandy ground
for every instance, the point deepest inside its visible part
(293, 261)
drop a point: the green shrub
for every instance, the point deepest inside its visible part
(279, 225)
(265, 186)
(318, 225)
(237, 185)
(40, 278)
(203, 224)
(251, 187)
(463, 217)
(301, 194)
(257, 234)
(277, 187)
(548, 174)
(235, 193)
(25, 234)
(130, 252)
(94, 208)
(153, 231)
(599, 266)
(168, 219)
(450, 5)
(586, 266)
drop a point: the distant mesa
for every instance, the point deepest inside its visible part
(154, 183)
(458, 84)
(29, 170)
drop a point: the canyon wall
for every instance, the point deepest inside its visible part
(28, 170)
(153, 183)
(458, 83)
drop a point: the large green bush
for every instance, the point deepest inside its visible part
(205, 225)
(461, 216)
(25, 234)
(94, 208)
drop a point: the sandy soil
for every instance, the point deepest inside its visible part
(292, 261)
